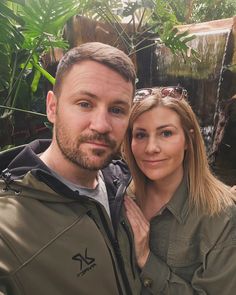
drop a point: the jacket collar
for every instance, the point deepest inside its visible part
(22, 159)
(179, 203)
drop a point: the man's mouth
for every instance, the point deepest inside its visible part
(98, 144)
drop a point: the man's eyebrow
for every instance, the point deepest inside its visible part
(124, 102)
(87, 93)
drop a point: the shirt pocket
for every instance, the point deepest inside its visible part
(185, 256)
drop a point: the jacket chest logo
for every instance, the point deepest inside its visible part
(86, 263)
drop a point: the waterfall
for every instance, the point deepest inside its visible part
(202, 77)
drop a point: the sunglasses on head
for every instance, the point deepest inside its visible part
(177, 92)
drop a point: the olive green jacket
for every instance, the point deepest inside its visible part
(191, 253)
(54, 241)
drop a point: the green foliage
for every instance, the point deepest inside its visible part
(6, 147)
(149, 19)
(196, 11)
(44, 21)
(211, 10)
(11, 39)
(30, 27)
(177, 42)
(164, 21)
(27, 29)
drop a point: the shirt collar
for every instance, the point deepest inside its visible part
(179, 203)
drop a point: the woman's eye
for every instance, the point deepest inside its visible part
(166, 133)
(139, 135)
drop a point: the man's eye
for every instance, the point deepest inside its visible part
(167, 133)
(84, 104)
(117, 110)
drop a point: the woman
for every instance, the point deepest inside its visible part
(183, 218)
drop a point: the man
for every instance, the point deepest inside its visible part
(61, 219)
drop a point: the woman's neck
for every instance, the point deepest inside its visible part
(159, 193)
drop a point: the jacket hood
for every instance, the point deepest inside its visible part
(24, 158)
(24, 173)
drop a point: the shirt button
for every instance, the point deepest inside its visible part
(147, 282)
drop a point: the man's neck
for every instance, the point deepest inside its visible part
(68, 170)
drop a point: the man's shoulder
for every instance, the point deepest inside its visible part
(117, 167)
(115, 175)
(11, 213)
(19, 160)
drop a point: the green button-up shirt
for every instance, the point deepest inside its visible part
(191, 253)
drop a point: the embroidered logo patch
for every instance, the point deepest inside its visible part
(86, 263)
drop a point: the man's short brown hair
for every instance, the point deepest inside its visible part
(102, 53)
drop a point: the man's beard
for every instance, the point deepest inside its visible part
(71, 149)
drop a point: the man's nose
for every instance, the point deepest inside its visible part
(100, 122)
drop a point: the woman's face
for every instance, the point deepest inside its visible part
(158, 144)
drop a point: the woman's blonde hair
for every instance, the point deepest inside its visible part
(206, 193)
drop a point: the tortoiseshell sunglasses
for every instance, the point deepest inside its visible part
(177, 92)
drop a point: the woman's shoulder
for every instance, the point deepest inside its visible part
(218, 230)
(223, 224)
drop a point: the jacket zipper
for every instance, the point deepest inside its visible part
(113, 241)
(117, 252)
(89, 213)
(126, 229)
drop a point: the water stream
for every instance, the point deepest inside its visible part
(202, 78)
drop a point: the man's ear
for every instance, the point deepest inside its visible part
(51, 106)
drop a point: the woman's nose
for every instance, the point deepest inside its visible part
(152, 146)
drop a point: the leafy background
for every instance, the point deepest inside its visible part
(29, 29)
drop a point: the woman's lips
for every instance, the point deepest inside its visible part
(153, 162)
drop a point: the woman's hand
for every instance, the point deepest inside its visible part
(141, 228)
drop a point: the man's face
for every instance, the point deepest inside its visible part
(91, 114)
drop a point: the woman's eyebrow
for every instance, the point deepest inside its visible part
(158, 128)
(165, 126)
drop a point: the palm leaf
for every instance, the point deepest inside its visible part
(6, 11)
(10, 41)
(9, 34)
(5, 68)
(47, 16)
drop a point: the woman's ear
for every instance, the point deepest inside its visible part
(51, 107)
(191, 132)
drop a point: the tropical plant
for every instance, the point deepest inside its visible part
(28, 28)
(36, 27)
(151, 21)
(195, 11)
